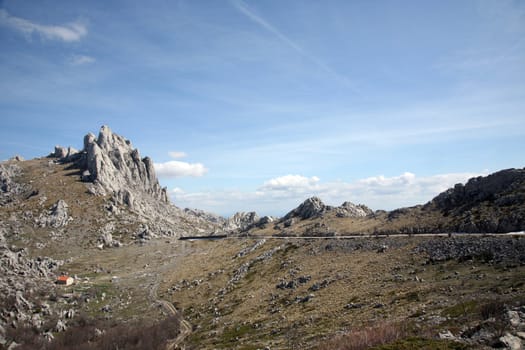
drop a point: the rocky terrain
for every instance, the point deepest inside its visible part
(104, 196)
(100, 216)
(491, 204)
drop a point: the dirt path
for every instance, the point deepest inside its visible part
(185, 326)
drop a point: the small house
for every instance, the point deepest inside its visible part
(65, 280)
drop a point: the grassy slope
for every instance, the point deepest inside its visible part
(253, 313)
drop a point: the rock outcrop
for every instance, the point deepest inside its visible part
(23, 277)
(504, 188)
(310, 208)
(10, 189)
(313, 207)
(115, 167)
(111, 167)
(56, 217)
(494, 203)
(350, 210)
(241, 221)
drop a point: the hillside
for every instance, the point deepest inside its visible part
(490, 204)
(100, 216)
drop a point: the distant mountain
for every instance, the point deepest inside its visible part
(494, 203)
(490, 204)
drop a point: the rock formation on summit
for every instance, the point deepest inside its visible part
(111, 167)
(114, 167)
(350, 210)
(241, 221)
(310, 208)
(314, 207)
(494, 203)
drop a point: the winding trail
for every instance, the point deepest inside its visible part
(185, 326)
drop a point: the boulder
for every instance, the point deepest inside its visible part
(64, 154)
(56, 217)
(511, 341)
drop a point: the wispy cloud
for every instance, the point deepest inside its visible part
(281, 194)
(79, 60)
(242, 7)
(68, 32)
(176, 168)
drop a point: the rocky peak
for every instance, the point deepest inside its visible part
(312, 207)
(242, 221)
(505, 187)
(113, 165)
(350, 210)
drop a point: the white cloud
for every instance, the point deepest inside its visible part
(177, 154)
(78, 60)
(68, 32)
(177, 190)
(279, 195)
(176, 168)
(289, 182)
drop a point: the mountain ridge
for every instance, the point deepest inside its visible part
(485, 204)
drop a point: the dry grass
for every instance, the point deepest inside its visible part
(365, 338)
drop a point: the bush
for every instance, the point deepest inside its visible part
(82, 335)
(133, 336)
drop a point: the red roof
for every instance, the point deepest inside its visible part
(62, 278)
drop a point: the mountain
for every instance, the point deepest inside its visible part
(490, 204)
(105, 194)
(99, 217)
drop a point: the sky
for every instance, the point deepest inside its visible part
(248, 105)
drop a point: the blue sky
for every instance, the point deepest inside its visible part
(256, 105)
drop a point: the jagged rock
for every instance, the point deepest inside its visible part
(310, 208)
(265, 220)
(111, 167)
(447, 335)
(20, 275)
(480, 189)
(144, 233)
(60, 152)
(289, 222)
(210, 217)
(63, 153)
(10, 189)
(106, 239)
(493, 203)
(60, 326)
(115, 166)
(514, 318)
(49, 336)
(86, 176)
(241, 221)
(512, 342)
(248, 250)
(350, 210)
(56, 217)
(17, 158)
